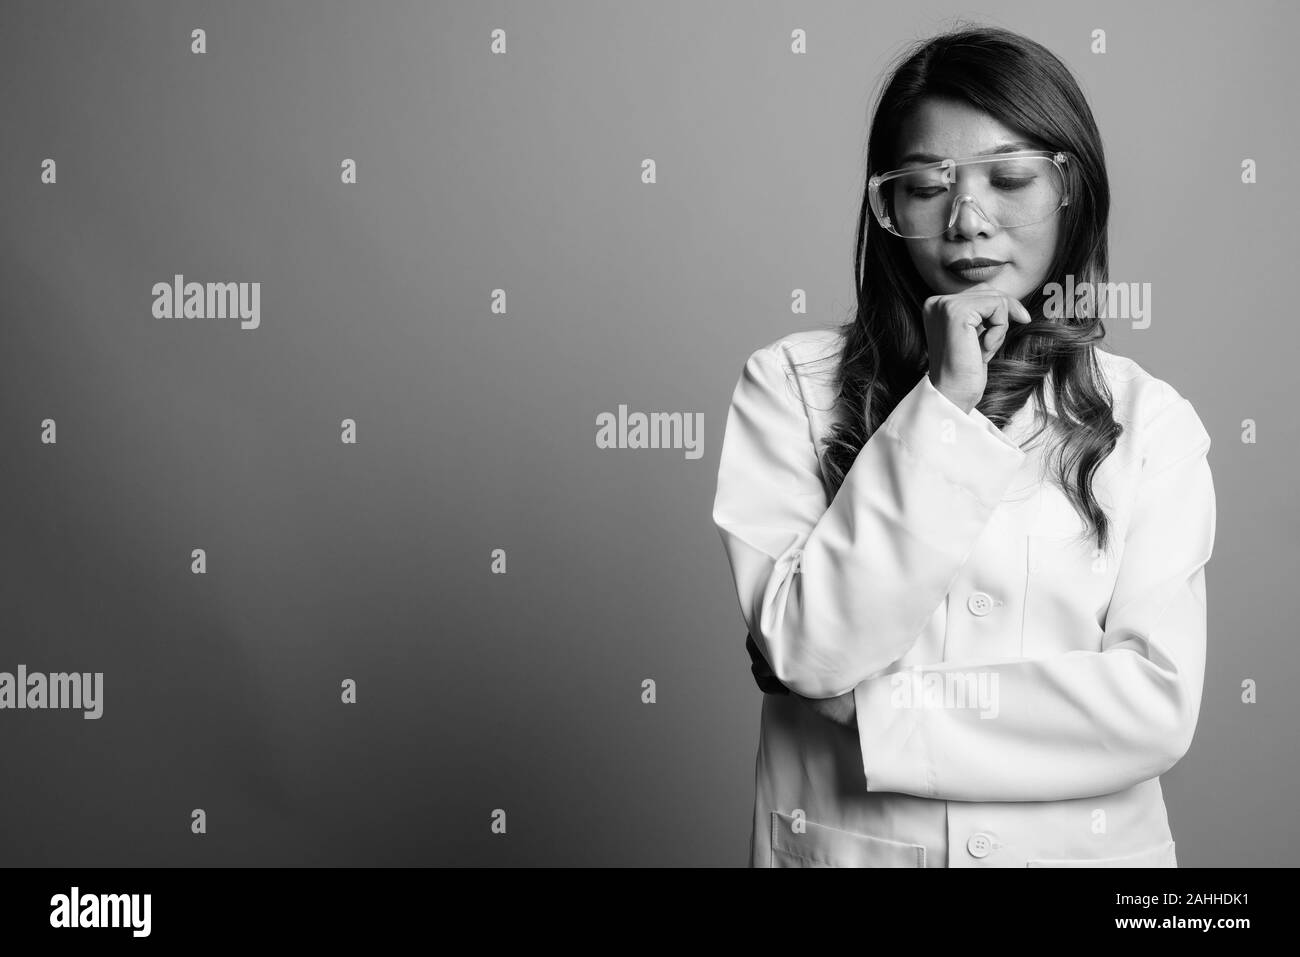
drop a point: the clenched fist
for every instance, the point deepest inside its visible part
(963, 331)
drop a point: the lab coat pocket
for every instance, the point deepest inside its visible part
(1162, 855)
(820, 846)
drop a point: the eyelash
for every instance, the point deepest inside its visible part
(922, 192)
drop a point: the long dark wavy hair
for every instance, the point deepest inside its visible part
(1022, 84)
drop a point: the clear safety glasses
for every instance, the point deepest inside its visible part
(1006, 189)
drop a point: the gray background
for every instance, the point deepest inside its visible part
(477, 431)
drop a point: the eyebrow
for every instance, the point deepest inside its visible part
(1000, 148)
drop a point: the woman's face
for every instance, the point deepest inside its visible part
(951, 129)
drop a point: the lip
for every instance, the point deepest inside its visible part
(975, 270)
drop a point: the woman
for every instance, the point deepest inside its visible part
(968, 541)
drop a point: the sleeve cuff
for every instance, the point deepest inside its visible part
(895, 754)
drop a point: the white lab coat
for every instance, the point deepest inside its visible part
(1018, 694)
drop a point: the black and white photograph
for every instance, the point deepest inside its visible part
(605, 435)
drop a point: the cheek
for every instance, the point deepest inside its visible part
(1034, 254)
(926, 257)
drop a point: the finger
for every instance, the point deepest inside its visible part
(997, 329)
(978, 311)
(997, 313)
(990, 306)
(985, 290)
(993, 340)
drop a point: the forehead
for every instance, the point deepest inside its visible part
(950, 128)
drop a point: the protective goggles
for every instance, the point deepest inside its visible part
(1006, 189)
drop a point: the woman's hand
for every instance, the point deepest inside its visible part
(963, 331)
(841, 710)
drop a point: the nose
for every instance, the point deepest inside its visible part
(968, 219)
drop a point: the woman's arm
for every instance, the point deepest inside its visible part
(1081, 723)
(834, 595)
(842, 710)
(763, 676)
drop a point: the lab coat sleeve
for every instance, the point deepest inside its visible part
(1082, 723)
(834, 594)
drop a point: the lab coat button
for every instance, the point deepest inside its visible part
(979, 844)
(979, 604)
